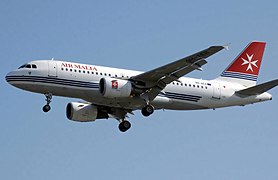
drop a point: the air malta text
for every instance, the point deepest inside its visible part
(79, 66)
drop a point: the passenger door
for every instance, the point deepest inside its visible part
(216, 91)
(52, 68)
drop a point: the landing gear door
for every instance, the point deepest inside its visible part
(216, 91)
(52, 68)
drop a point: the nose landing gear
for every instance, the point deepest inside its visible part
(47, 107)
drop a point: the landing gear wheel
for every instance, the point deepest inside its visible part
(124, 126)
(46, 108)
(147, 110)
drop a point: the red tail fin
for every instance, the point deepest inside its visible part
(247, 65)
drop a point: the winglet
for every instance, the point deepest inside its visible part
(226, 46)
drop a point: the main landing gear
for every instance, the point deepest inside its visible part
(124, 126)
(47, 107)
(147, 110)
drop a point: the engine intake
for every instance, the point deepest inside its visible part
(83, 112)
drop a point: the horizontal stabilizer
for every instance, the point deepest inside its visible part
(258, 89)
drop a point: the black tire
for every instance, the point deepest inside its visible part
(147, 110)
(46, 108)
(124, 126)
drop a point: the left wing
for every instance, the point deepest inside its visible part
(155, 80)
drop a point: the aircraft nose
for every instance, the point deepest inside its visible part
(9, 76)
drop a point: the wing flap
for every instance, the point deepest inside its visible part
(258, 89)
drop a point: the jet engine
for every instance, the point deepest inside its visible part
(115, 88)
(83, 112)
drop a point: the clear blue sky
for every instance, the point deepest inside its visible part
(233, 143)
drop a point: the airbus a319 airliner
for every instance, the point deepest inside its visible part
(115, 93)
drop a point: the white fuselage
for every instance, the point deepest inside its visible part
(76, 80)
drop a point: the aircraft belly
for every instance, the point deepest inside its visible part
(126, 103)
(183, 105)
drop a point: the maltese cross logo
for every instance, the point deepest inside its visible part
(249, 62)
(114, 84)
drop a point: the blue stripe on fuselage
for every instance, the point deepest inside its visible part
(52, 80)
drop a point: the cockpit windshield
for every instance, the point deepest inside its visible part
(23, 66)
(33, 66)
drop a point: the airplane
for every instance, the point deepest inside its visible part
(114, 93)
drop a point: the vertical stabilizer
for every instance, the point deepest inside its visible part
(245, 68)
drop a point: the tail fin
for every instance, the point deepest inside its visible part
(245, 68)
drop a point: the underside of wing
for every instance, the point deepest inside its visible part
(178, 68)
(155, 80)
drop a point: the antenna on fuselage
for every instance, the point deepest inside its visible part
(52, 59)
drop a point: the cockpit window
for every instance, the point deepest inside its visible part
(23, 66)
(33, 66)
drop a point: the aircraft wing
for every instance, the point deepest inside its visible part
(155, 80)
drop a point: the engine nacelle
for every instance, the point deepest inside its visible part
(83, 112)
(115, 88)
